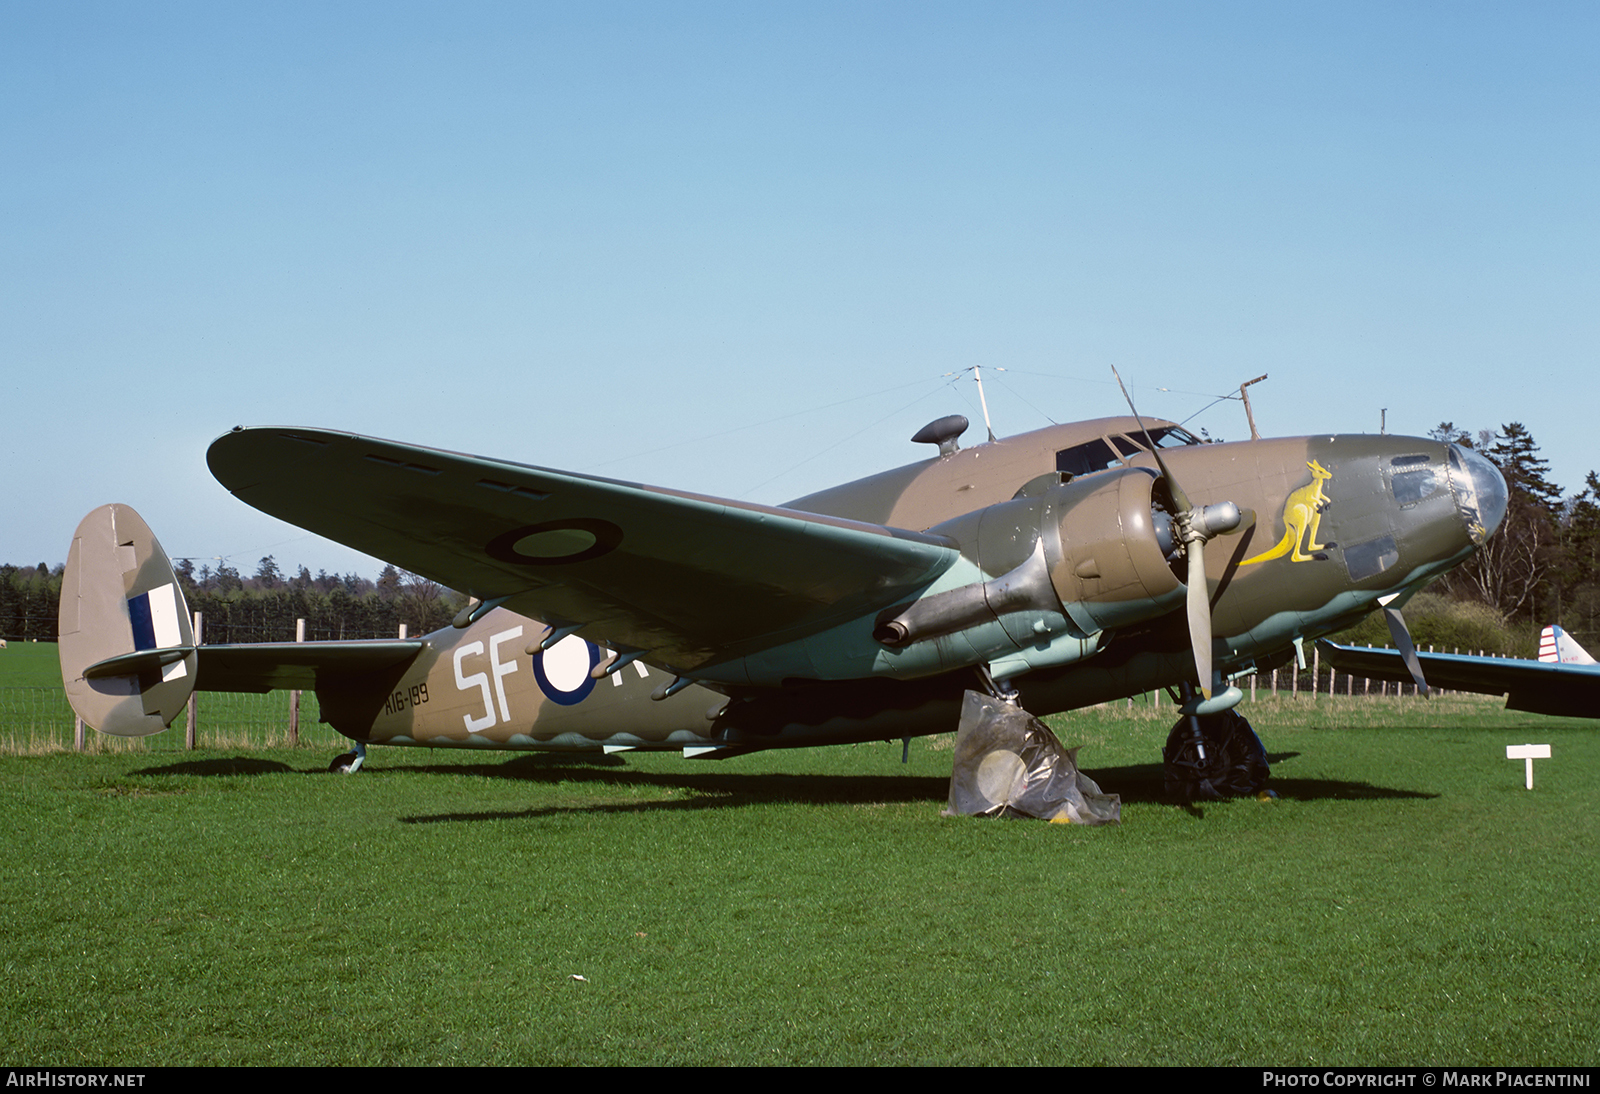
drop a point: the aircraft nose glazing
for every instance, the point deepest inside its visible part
(1480, 492)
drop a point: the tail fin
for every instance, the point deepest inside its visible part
(1556, 644)
(127, 644)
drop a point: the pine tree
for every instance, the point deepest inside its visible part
(1581, 537)
(268, 576)
(1517, 456)
(1518, 571)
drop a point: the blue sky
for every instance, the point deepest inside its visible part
(736, 248)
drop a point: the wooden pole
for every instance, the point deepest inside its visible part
(294, 696)
(192, 729)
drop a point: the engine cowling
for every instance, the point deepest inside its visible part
(1098, 551)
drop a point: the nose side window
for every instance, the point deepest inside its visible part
(1411, 479)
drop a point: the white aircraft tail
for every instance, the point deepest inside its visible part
(127, 643)
(1557, 645)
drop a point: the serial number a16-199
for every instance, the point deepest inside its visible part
(405, 698)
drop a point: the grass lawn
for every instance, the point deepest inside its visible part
(1404, 902)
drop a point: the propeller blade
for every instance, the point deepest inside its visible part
(1197, 524)
(1200, 614)
(1402, 642)
(1178, 495)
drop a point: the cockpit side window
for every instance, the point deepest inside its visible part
(1411, 479)
(1085, 459)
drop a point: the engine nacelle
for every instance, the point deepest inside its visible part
(1097, 550)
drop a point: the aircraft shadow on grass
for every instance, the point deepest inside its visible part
(231, 765)
(1137, 784)
(1141, 783)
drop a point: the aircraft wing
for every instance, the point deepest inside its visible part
(691, 580)
(1538, 687)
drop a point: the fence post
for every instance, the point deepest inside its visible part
(294, 696)
(191, 731)
(1316, 670)
(77, 733)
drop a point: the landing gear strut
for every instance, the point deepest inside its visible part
(348, 763)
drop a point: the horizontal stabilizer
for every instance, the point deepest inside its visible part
(270, 666)
(140, 661)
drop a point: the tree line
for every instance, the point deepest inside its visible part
(260, 608)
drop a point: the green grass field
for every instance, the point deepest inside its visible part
(1404, 902)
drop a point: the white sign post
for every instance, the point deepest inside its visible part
(1528, 753)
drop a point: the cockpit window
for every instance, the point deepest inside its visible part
(1166, 436)
(1097, 455)
(1085, 459)
(1171, 436)
(1411, 479)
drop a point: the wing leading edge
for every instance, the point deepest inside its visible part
(689, 579)
(1563, 690)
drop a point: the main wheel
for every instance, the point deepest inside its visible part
(343, 764)
(1235, 764)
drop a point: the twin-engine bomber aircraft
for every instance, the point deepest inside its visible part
(1067, 564)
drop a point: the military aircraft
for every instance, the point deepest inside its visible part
(1067, 564)
(1564, 682)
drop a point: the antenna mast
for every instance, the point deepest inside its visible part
(1249, 416)
(977, 372)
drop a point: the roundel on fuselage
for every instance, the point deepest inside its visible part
(563, 670)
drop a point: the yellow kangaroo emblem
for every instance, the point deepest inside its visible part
(1302, 513)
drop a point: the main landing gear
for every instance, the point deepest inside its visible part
(1214, 756)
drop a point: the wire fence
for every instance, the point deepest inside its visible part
(39, 719)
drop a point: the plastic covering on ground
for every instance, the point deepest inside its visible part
(1235, 764)
(1009, 764)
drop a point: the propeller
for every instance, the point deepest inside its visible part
(1195, 525)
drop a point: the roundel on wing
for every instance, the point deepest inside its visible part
(555, 542)
(562, 671)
